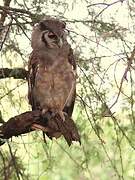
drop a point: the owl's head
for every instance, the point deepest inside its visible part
(49, 33)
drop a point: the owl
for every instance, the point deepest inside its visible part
(52, 70)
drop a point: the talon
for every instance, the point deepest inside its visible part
(62, 115)
(54, 114)
(39, 127)
(44, 111)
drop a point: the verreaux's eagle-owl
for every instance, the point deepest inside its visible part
(52, 69)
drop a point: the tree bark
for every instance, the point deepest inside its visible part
(34, 120)
(16, 73)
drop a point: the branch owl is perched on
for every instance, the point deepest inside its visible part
(52, 69)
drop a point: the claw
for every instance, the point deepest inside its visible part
(39, 127)
(61, 113)
(44, 111)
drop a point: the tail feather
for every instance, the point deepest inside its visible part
(68, 130)
(55, 127)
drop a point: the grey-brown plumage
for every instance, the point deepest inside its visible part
(52, 70)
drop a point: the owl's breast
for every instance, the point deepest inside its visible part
(53, 85)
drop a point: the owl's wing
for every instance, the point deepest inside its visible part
(32, 69)
(70, 106)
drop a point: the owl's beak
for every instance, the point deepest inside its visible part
(60, 42)
(58, 39)
(50, 39)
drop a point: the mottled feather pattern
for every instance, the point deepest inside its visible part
(52, 73)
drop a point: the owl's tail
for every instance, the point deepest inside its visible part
(55, 127)
(66, 128)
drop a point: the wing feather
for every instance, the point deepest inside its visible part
(32, 69)
(70, 106)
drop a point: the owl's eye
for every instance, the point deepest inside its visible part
(42, 26)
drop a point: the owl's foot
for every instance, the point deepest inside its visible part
(39, 127)
(61, 114)
(44, 111)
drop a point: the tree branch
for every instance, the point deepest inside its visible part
(124, 77)
(4, 14)
(17, 73)
(34, 120)
(10, 9)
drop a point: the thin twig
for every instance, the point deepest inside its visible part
(130, 60)
(6, 34)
